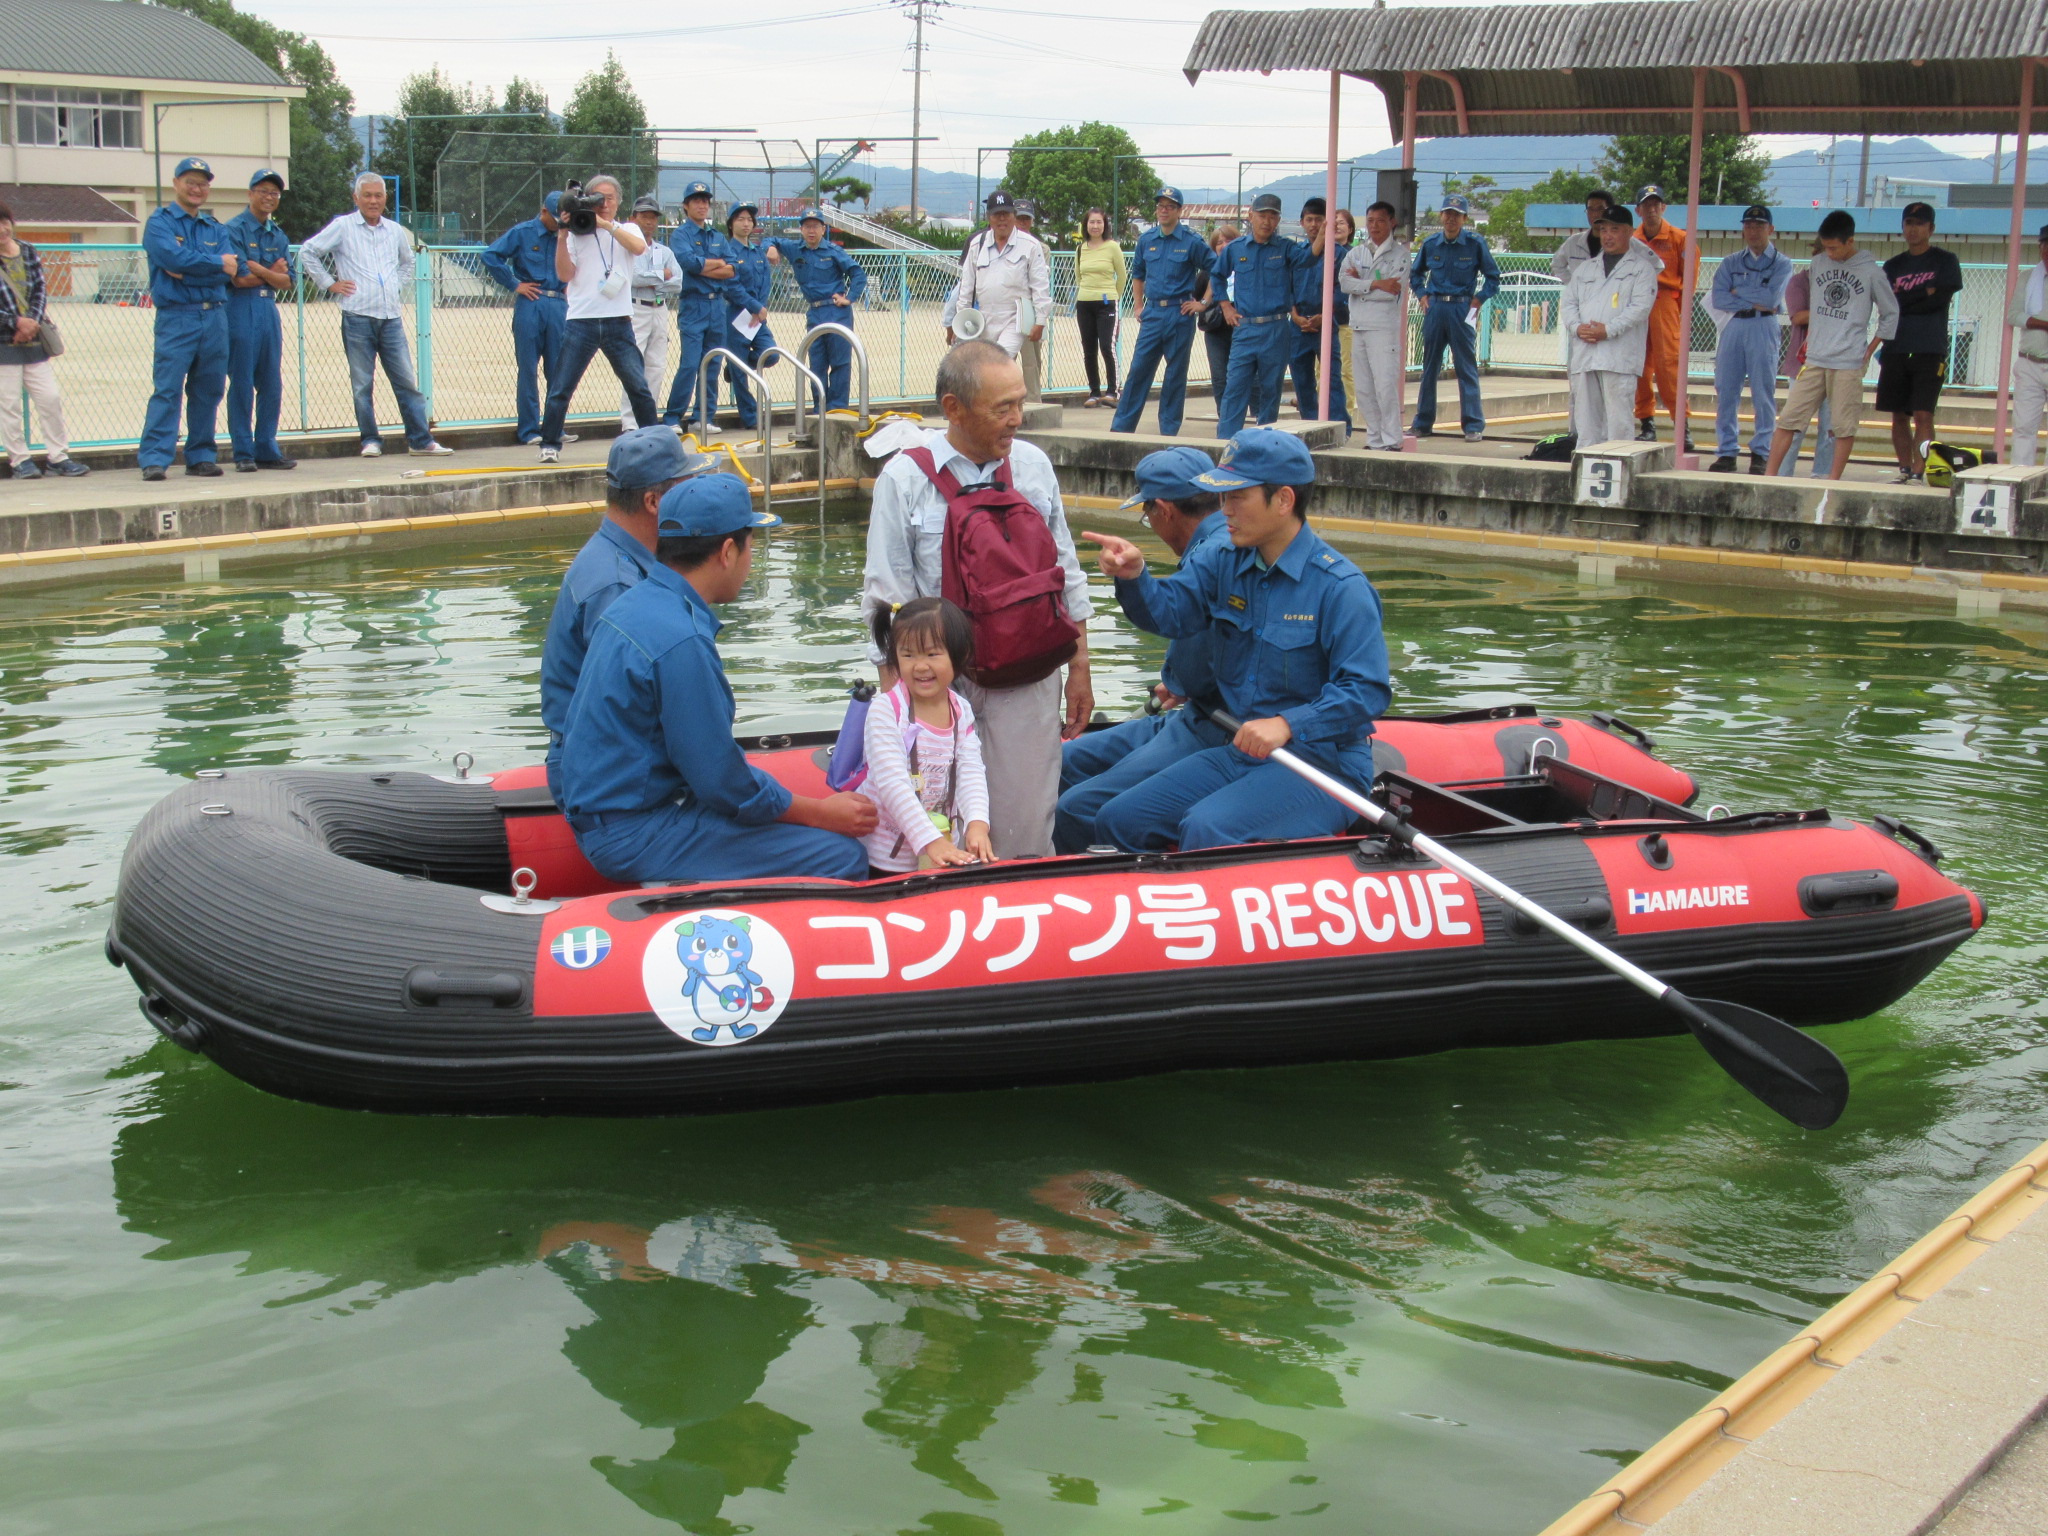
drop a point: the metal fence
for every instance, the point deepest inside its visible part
(462, 342)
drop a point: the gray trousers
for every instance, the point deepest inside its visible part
(1603, 406)
(1379, 370)
(1031, 357)
(1020, 748)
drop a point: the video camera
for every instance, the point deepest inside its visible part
(578, 211)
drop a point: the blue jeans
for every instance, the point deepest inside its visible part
(748, 352)
(1748, 354)
(1823, 448)
(678, 842)
(190, 375)
(1444, 325)
(537, 329)
(1220, 797)
(1259, 350)
(1164, 335)
(700, 326)
(1308, 394)
(1098, 766)
(255, 377)
(581, 341)
(367, 342)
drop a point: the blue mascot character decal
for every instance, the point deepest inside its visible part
(718, 979)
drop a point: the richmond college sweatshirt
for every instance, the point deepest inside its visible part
(1843, 293)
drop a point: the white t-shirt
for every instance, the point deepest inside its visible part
(597, 256)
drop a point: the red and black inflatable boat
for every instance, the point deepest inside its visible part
(342, 937)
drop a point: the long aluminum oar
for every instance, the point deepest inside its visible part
(1786, 1068)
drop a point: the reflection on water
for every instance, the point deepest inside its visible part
(1430, 1296)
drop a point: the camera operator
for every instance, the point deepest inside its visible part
(594, 259)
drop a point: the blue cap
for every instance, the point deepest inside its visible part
(1648, 193)
(552, 202)
(709, 505)
(266, 174)
(650, 456)
(696, 189)
(193, 163)
(1454, 204)
(1170, 195)
(809, 214)
(1261, 456)
(1170, 473)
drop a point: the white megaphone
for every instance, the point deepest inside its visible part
(969, 324)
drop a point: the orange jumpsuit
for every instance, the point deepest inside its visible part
(1660, 359)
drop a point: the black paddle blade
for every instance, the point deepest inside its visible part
(1787, 1068)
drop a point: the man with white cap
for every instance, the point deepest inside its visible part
(1005, 275)
(1605, 316)
(653, 783)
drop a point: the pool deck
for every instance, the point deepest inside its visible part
(1913, 1405)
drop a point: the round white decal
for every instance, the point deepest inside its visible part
(717, 977)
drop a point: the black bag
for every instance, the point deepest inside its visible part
(1557, 448)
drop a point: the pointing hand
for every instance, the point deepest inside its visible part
(1120, 558)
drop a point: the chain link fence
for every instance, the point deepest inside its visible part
(462, 338)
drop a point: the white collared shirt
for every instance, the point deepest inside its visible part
(377, 258)
(657, 275)
(907, 526)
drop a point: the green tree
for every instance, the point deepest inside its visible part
(1479, 189)
(324, 148)
(409, 149)
(848, 189)
(605, 102)
(1734, 168)
(1506, 223)
(1066, 186)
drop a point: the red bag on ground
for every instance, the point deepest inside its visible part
(999, 564)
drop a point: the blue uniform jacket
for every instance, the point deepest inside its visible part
(1169, 265)
(1300, 640)
(1262, 275)
(604, 570)
(1454, 269)
(1743, 281)
(184, 253)
(1190, 669)
(651, 724)
(749, 290)
(695, 244)
(1308, 293)
(822, 272)
(258, 242)
(525, 253)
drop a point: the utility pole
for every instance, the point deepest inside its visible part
(920, 11)
(1863, 171)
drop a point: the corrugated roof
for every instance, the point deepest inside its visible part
(123, 38)
(1625, 66)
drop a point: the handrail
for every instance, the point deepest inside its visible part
(767, 413)
(818, 384)
(860, 355)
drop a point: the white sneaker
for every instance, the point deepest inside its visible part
(434, 450)
(373, 450)
(570, 437)
(550, 455)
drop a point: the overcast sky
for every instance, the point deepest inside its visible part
(799, 69)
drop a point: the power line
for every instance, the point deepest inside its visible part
(583, 37)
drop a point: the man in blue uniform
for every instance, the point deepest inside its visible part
(1298, 654)
(1097, 766)
(641, 467)
(832, 283)
(255, 330)
(1307, 360)
(1258, 271)
(747, 302)
(1453, 274)
(190, 263)
(652, 781)
(1165, 269)
(705, 256)
(522, 262)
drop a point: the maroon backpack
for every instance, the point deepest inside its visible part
(1000, 565)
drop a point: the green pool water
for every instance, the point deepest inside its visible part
(1445, 1295)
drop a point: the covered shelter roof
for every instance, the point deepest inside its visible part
(147, 42)
(1626, 66)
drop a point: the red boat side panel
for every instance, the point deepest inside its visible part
(1317, 906)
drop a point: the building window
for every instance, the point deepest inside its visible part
(79, 119)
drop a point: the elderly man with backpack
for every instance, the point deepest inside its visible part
(972, 515)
